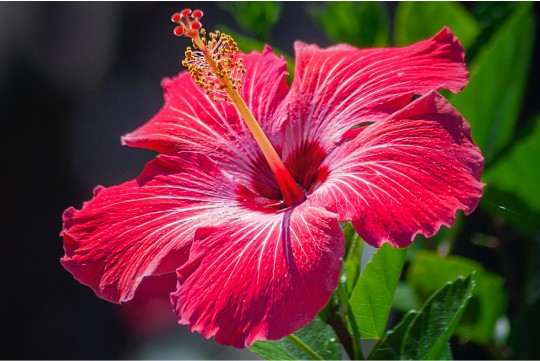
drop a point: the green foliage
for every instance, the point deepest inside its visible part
(405, 297)
(417, 21)
(257, 17)
(362, 23)
(428, 272)
(429, 333)
(492, 100)
(317, 338)
(390, 347)
(517, 172)
(353, 257)
(488, 13)
(524, 335)
(372, 296)
(425, 334)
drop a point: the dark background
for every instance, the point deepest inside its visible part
(74, 77)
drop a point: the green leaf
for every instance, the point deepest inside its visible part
(446, 353)
(405, 298)
(492, 100)
(421, 20)
(317, 337)
(429, 271)
(428, 335)
(490, 12)
(256, 16)
(272, 351)
(390, 347)
(363, 23)
(371, 300)
(517, 172)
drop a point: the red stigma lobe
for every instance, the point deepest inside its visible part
(188, 21)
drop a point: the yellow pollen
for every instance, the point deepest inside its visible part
(212, 64)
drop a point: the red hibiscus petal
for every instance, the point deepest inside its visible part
(191, 121)
(261, 276)
(405, 175)
(143, 227)
(339, 87)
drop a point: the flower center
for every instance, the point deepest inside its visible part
(212, 65)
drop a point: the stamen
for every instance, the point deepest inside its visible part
(214, 67)
(212, 75)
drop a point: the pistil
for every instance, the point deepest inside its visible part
(216, 63)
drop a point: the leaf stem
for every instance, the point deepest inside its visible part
(302, 346)
(344, 297)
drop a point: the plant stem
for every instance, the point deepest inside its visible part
(344, 297)
(336, 322)
(302, 346)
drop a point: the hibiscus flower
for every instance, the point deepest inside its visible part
(245, 200)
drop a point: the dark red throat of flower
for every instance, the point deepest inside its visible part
(213, 68)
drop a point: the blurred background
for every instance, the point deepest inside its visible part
(74, 77)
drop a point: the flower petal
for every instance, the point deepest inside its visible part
(261, 276)
(143, 227)
(405, 175)
(339, 87)
(191, 121)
